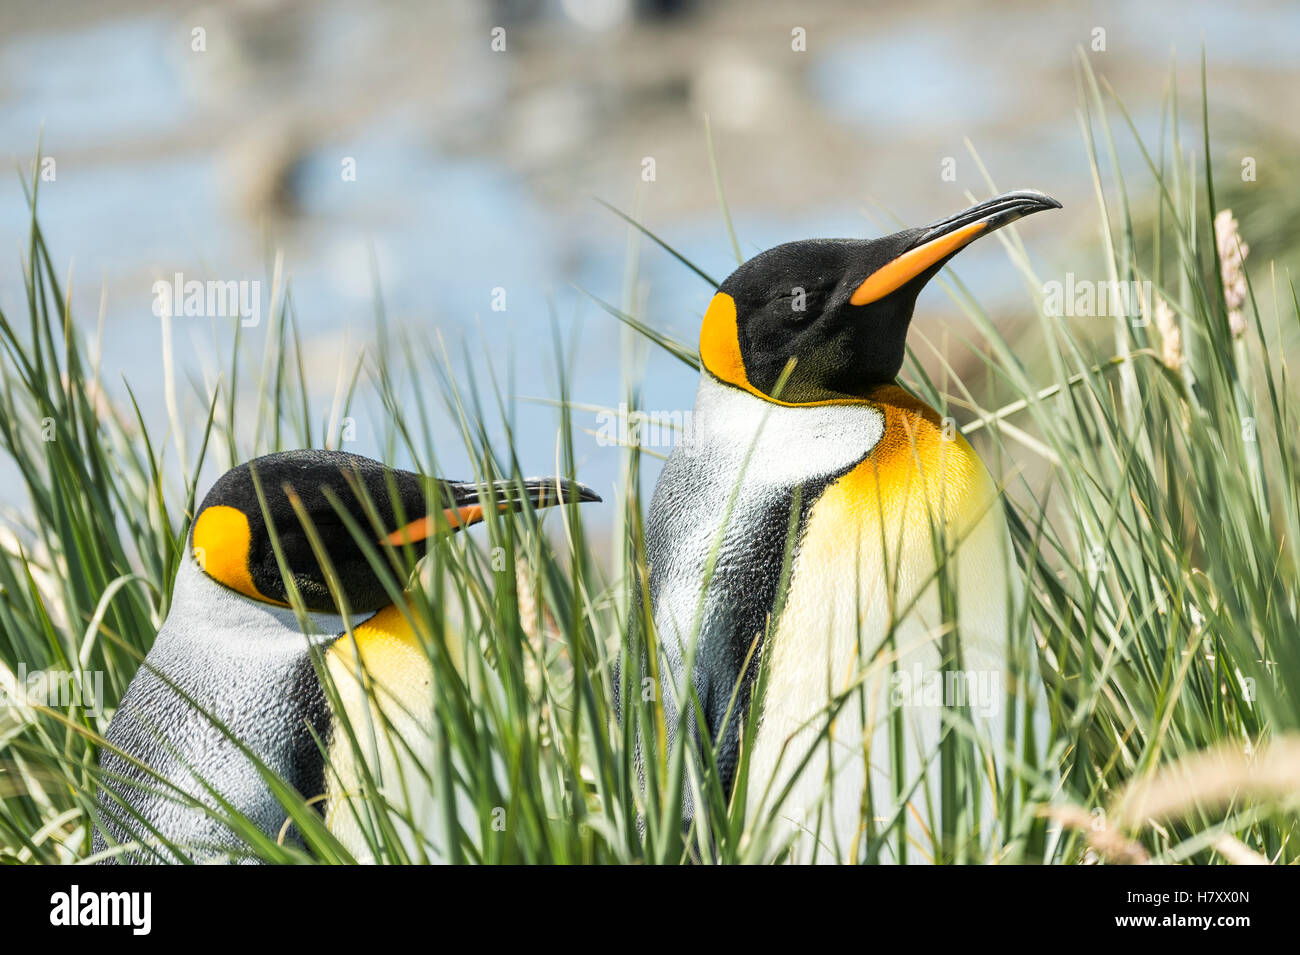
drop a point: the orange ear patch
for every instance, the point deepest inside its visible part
(720, 342)
(221, 542)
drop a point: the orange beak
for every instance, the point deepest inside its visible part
(946, 238)
(912, 263)
(421, 528)
(540, 492)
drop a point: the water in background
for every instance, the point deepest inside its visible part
(475, 168)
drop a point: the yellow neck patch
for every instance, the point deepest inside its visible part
(390, 627)
(916, 472)
(385, 642)
(221, 543)
(391, 651)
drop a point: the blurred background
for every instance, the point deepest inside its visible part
(478, 169)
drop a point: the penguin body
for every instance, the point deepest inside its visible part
(232, 678)
(733, 486)
(866, 552)
(802, 444)
(248, 666)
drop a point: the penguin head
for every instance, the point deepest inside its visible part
(840, 308)
(232, 542)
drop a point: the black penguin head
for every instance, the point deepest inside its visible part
(232, 544)
(839, 307)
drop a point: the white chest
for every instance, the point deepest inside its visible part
(864, 605)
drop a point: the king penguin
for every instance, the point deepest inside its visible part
(231, 675)
(810, 498)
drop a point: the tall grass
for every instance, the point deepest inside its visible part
(1155, 511)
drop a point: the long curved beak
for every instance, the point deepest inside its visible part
(943, 239)
(505, 495)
